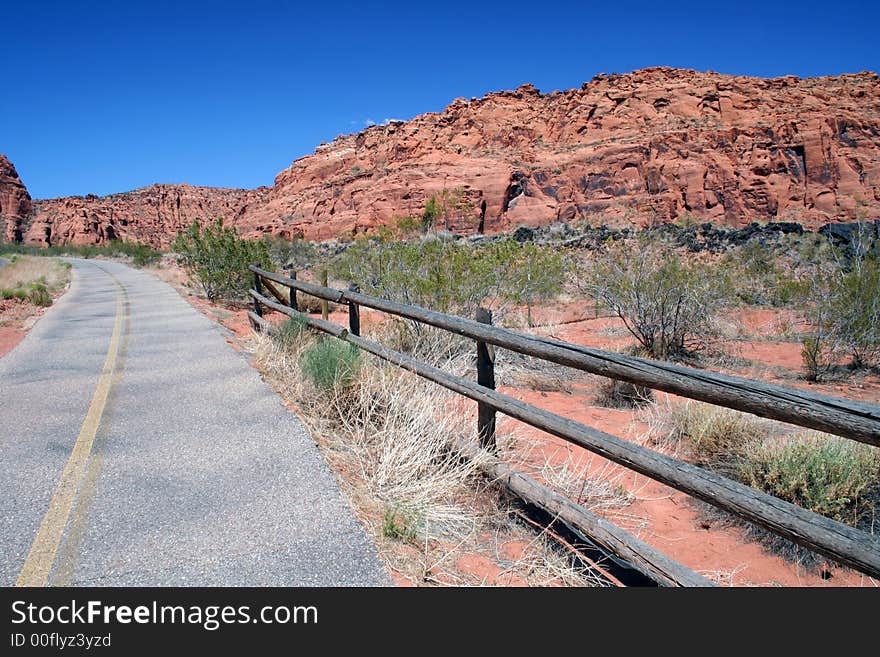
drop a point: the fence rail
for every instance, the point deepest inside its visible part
(855, 420)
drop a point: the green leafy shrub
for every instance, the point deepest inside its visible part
(833, 476)
(841, 305)
(330, 363)
(296, 252)
(218, 259)
(762, 275)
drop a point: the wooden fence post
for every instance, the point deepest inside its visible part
(293, 303)
(354, 312)
(258, 286)
(325, 308)
(486, 378)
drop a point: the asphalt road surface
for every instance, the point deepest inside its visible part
(137, 448)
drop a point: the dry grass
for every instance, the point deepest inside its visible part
(710, 435)
(26, 270)
(388, 435)
(826, 474)
(28, 283)
(613, 393)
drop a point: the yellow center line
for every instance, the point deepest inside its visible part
(38, 564)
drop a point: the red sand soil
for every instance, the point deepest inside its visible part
(9, 339)
(672, 522)
(16, 319)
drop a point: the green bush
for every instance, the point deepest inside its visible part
(835, 477)
(218, 259)
(330, 363)
(291, 331)
(452, 276)
(841, 304)
(448, 205)
(39, 295)
(666, 302)
(855, 309)
(762, 275)
(297, 252)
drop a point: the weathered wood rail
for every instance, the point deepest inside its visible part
(850, 419)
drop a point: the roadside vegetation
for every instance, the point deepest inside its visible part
(33, 280)
(831, 476)
(140, 255)
(390, 438)
(389, 434)
(217, 258)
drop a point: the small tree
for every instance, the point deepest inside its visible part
(218, 259)
(667, 304)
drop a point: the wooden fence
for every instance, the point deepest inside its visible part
(850, 419)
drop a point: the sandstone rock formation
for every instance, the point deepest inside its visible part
(15, 202)
(152, 215)
(646, 147)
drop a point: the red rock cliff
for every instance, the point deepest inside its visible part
(648, 146)
(15, 202)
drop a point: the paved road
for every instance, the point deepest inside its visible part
(137, 448)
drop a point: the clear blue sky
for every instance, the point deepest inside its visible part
(101, 97)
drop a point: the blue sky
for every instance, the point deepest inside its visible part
(101, 97)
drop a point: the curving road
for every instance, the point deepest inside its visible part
(137, 448)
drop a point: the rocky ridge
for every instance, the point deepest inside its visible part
(640, 149)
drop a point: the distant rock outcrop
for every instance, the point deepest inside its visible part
(623, 150)
(15, 202)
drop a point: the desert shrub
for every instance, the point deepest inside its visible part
(534, 273)
(841, 306)
(39, 295)
(33, 279)
(218, 259)
(613, 393)
(832, 476)
(761, 275)
(441, 209)
(855, 310)
(710, 435)
(451, 276)
(296, 252)
(668, 304)
(330, 363)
